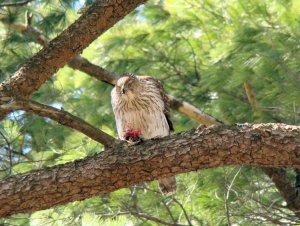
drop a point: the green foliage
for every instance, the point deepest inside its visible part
(203, 52)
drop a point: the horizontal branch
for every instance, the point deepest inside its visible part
(59, 115)
(268, 145)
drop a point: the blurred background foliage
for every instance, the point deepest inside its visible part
(204, 52)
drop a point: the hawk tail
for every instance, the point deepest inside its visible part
(167, 185)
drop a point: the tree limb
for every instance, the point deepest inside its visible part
(98, 18)
(269, 145)
(61, 116)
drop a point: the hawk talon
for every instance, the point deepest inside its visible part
(133, 136)
(132, 143)
(133, 140)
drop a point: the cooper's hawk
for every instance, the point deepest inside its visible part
(141, 111)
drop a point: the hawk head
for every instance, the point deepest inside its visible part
(128, 86)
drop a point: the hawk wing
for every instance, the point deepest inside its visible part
(165, 98)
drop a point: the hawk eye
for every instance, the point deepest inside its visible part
(122, 91)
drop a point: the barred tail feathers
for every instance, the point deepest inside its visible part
(167, 185)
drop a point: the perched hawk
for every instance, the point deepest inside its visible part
(141, 111)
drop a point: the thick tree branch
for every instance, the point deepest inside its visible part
(269, 145)
(61, 116)
(99, 17)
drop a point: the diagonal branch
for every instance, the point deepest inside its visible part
(60, 116)
(102, 15)
(269, 145)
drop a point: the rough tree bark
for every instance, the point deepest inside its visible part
(102, 15)
(269, 145)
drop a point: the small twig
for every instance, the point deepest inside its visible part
(184, 211)
(197, 74)
(168, 210)
(227, 193)
(154, 219)
(232, 181)
(251, 97)
(9, 4)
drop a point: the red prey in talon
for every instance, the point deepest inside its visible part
(133, 135)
